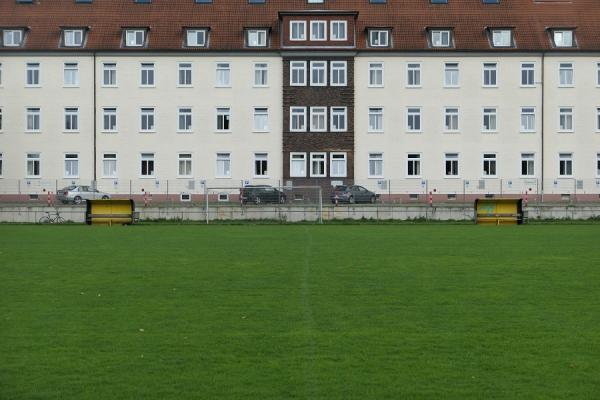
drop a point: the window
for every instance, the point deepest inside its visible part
(71, 119)
(597, 119)
(33, 165)
(527, 119)
(223, 75)
(147, 119)
(338, 31)
(71, 165)
(527, 74)
(338, 119)
(375, 165)
(109, 165)
(565, 120)
(337, 165)
(489, 165)
(147, 165)
(318, 30)
(261, 74)
(223, 165)
(451, 76)
(563, 38)
(1, 120)
(527, 164)
(33, 120)
(184, 119)
(1, 74)
(451, 119)
(490, 74)
(375, 74)
(135, 37)
(257, 37)
(223, 119)
(597, 75)
(318, 166)
(184, 165)
(109, 119)
(33, 74)
(318, 73)
(338, 73)
(451, 164)
(185, 74)
(71, 74)
(298, 165)
(565, 74)
(109, 74)
(318, 119)
(261, 119)
(261, 165)
(196, 37)
(12, 37)
(147, 74)
(378, 38)
(440, 38)
(297, 30)
(298, 73)
(413, 167)
(375, 119)
(413, 119)
(298, 119)
(413, 74)
(565, 161)
(490, 119)
(597, 164)
(501, 38)
(73, 37)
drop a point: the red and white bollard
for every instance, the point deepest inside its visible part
(337, 200)
(49, 198)
(145, 199)
(430, 199)
(526, 198)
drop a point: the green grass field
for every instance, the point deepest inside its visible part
(299, 312)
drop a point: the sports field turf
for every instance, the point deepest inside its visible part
(299, 312)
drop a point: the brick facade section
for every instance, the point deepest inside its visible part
(307, 142)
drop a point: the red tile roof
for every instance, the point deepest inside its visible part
(227, 19)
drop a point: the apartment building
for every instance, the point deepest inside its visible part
(487, 93)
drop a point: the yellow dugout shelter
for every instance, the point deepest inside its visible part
(499, 211)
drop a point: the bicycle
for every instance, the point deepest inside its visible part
(51, 218)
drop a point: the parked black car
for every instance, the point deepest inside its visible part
(353, 194)
(262, 194)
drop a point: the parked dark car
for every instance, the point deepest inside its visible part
(353, 194)
(262, 194)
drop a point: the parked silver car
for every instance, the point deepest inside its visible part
(77, 194)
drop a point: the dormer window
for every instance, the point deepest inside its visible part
(563, 38)
(135, 37)
(73, 37)
(12, 37)
(441, 38)
(502, 38)
(318, 30)
(196, 38)
(379, 37)
(257, 37)
(298, 30)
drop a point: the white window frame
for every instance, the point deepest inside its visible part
(33, 112)
(187, 113)
(418, 160)
(375, 157)
(492, 114)
(132, 36)
(111, 68)
(320, 112)
(148, 112)
(597, 119)
(223, 70)
(382, 36)
(147, 157)
(260, 111)
(223, 157)
(597, 75)
(302, 36)
(332, 29)
(34, 158)
(185, 159)
(339, 114)
(194, 34)
(568, 159)
(114, 160)
(337, 70)
(441, 38)
(527, 111)
(261, 156)
(298, 112)
(490, 159)
(452, 157)
(568, 69)
(320, 67)
(559, 35)
(490, 75)
(109, 112)
(12, 33)
(568, 116)
(410, 112)
(185, 70)
(301, 67)
(448, 112)
(71, 113)
(67, 158)
(376, 114)
(320, 157)
(261, 69)
(597, 165)
(322, 24)
(499, 37)
(303, 160)
(147, 69)
(1, 121)
(335, 157)
(528, 157)
(527, 66)
(71, 69)
(257, 37)
(449, 68)
(36, 74)
(416, 69)
(223, 112)
(373, 68)
(69, 36)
